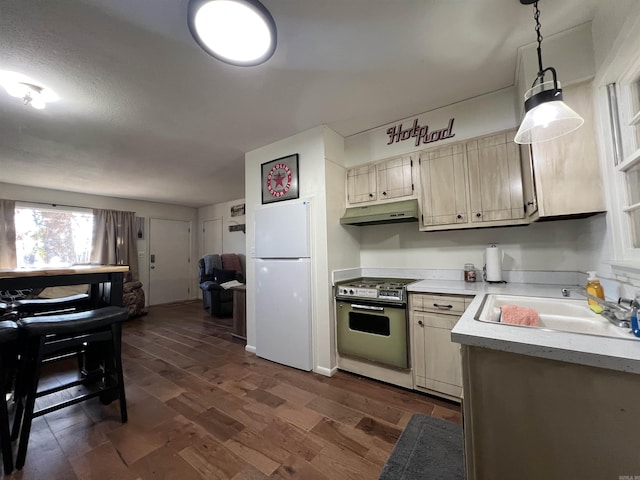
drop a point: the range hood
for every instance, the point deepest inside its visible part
(393, 212)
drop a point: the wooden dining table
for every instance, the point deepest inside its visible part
(105, 281)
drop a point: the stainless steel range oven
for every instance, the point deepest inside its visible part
(372, 321)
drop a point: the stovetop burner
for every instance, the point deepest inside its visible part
(388, 289)
(364, 285)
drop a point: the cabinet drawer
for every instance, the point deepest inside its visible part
(437, 320)
(447, 304)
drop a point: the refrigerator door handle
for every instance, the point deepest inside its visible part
(367, 307)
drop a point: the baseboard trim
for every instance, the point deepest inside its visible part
(327, 372)
(250, 349)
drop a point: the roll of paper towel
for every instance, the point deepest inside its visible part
(493, 264)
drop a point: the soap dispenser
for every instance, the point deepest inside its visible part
(594, 288)
(635, 328)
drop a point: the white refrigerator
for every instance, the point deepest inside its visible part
(282, 258)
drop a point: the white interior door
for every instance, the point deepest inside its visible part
(169, 267)
(212, 237)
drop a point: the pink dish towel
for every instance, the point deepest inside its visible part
(519, 316)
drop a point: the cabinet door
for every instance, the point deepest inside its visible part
(439, 366)
(443, 176)
(395, 178)
(361, 184)
(495, 178)
(528, 181)
(567, 169)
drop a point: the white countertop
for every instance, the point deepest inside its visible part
(612, 353)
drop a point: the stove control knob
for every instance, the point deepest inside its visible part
(351, 292)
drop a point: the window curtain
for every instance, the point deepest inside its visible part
(7, 234)
(114, 239)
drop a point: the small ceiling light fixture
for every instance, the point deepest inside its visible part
(21, 86)
(547, 116)
(238, 32)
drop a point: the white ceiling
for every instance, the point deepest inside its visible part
(146, 114)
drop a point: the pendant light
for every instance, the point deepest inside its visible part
(238, 32)
(547, 116)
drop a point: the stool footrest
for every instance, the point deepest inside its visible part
(81, 381)
(73, 401)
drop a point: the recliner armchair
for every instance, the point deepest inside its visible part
(214, 270)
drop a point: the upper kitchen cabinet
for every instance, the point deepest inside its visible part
(472, 184)
(495, 178)
(395, 178)
(386, 180)
(361, 184)
(443, 179)
(562, 177)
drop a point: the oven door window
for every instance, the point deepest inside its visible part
(367, 323)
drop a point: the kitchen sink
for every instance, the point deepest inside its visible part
(567, 315)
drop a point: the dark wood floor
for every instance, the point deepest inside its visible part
(200, 407)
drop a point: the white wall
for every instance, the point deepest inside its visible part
(474, 117)
(536, 247)
(607, 25)
(232, 242)
(343, 244)
(142, 209)
(569, 52)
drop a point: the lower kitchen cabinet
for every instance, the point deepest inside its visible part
(437, 365)
(534, 418)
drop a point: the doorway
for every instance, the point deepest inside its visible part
(169, 262)
(212, 237)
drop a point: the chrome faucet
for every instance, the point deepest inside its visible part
(617, 313)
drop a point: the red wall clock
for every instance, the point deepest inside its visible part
(280, 179)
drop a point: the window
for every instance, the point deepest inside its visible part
(630, 165)
(52, 236)
(623, 151)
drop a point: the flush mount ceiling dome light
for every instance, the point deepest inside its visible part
(547, 116)
(238, 32)
(21, 86)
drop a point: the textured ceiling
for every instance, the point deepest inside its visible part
(146, 114)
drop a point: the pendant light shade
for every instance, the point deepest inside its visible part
(546, 115)
(238, 32)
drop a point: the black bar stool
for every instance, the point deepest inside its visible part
(55, 337)
(8, 353)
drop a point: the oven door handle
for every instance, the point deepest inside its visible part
(367, 307)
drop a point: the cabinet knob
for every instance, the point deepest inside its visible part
(529, 203)
(371, 195)
(458, 216)
(478, 214)
(384, 193)
(420, 323)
